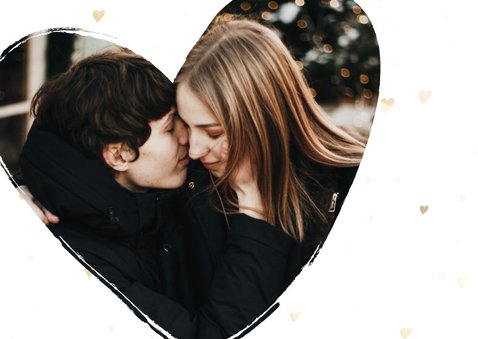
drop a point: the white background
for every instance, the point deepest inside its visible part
(387, 270)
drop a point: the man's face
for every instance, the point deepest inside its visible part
(162, 160)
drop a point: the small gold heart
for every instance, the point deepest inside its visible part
(462, 281)
(424, 95)
(294, 315)
(88, 273)
(387, 104)
(98, 15)
(441, 275)
(423, 208)
(405, 332)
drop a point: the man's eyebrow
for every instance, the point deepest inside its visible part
(167, 119)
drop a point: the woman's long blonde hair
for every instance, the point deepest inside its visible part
(252, 84)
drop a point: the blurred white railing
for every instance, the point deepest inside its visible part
(14, 109)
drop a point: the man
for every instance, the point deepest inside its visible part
(105, 155)
(99, 127)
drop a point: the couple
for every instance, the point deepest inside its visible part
(200, 240)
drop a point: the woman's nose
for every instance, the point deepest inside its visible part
(197, 149)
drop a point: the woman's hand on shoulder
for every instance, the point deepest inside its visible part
(45, 215)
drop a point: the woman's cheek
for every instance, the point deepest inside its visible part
(224, 149)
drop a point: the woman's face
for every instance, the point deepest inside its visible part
(207, 138)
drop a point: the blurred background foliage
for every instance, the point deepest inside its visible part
(332, 40)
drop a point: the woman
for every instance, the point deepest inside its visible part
(267, 157)
(255, 125)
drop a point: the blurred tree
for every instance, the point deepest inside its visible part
(333, 40)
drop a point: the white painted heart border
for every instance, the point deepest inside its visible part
(390, 269)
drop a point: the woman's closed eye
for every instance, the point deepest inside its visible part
(215, 134)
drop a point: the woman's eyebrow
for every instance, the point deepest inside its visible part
(208, 125)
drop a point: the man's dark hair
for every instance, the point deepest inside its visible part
(105, 98)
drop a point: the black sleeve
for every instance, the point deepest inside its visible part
(161, 313)
(250, 276)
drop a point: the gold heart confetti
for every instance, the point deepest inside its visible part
(98, 15)
(424, 96)
(405, 332)
(462, 281)
(294, 315)
(441, 275)
(423, 208)
(88, 273)
(387, 103)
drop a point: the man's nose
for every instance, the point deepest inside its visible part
(181, 132)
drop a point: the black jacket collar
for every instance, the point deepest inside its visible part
(81, 189)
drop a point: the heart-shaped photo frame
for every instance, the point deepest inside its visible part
(170, 254)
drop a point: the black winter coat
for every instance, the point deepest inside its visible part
(166, 253)
(115, 233)
(239, 272)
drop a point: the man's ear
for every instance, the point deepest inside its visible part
(118, 156)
